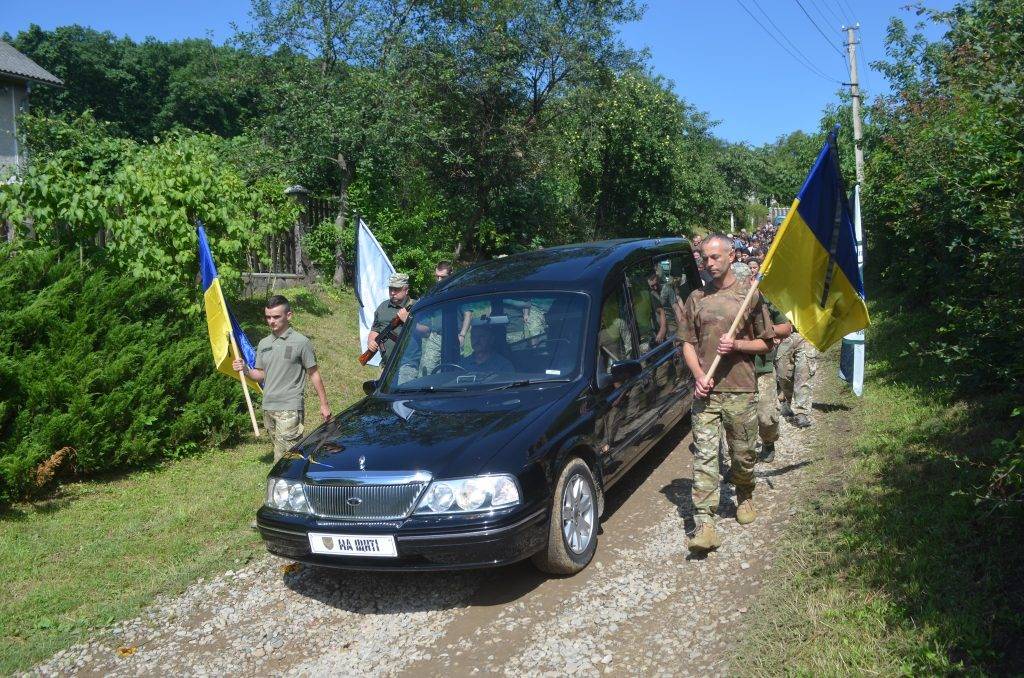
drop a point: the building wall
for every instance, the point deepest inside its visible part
(13, 100)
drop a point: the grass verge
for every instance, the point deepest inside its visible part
(97, 552)
(893, 567)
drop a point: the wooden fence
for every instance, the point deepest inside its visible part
(288, 264)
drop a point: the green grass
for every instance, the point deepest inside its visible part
(893, 566)
(99, 551)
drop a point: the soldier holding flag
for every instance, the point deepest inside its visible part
(727, 401)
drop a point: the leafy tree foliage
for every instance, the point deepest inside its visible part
(146, 88)
(945, 178)
(136, 204)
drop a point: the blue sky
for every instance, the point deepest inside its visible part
(720, 60)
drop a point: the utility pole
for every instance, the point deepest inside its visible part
(858, 151)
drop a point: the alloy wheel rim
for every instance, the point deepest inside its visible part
(577, 514)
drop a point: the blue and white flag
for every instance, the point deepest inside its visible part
(373, 271)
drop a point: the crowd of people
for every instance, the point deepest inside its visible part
(750, 247)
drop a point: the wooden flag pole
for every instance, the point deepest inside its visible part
(245, 386)
(735, 324)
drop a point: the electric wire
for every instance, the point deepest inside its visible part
(853, 15)
(818, 8)
(771, 35)
(785, 37)
(818, 28)
(847, 18)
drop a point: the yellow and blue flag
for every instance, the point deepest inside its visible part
(810, 272)
(219, 318)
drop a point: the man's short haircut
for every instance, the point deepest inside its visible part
(444, 266)
(726, 241)
(279, 300)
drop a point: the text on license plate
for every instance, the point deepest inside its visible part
(353, 545)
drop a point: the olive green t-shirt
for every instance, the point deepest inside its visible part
(765, 364)
(285, 359)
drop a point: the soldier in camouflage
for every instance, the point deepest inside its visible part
(795, 364)
(727, 402)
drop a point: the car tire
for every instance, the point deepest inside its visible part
(572, 530)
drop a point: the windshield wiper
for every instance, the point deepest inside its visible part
(528, 382)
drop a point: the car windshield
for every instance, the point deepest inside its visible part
(502, 340)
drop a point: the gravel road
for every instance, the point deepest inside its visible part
(642, 607)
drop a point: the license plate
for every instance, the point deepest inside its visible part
(353, 545)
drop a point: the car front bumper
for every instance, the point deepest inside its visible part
(420, 547)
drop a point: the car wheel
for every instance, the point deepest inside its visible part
(572, 533)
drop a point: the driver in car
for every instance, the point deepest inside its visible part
(485, 356)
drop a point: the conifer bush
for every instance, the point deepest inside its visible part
(99, 372)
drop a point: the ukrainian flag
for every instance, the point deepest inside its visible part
(810, 272)
(219, 318)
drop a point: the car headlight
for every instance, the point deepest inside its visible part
(286, 495)
(469, 495)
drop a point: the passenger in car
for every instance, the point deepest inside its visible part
(485, 356)
(614, 340)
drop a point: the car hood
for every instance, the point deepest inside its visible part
(445, 436)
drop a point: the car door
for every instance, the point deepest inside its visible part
(616, 404)
(675, 383)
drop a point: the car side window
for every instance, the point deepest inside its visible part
(650, 317)
(615, 336)
(673, 271)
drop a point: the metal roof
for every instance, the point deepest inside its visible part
(14, 64)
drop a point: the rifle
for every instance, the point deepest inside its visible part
(387, 335)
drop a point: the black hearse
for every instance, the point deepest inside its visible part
(522, 389)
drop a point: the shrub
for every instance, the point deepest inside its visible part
(100, 371)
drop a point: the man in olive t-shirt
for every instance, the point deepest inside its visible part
(284, 359)
(728, 401)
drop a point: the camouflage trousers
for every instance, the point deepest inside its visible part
(795, 364)
(736, 414)
(767, 408)
(284, 428)
(430, 357)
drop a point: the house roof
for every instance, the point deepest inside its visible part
(14, 64)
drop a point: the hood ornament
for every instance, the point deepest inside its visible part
(362, 463)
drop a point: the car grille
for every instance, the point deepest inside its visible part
(375, 502)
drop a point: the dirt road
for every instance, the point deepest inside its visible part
(642, 607)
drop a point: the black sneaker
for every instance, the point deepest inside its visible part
(768, 453)
(802, 421)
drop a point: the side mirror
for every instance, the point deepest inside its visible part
(620, 372)
(369, 386)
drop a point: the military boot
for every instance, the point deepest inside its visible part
(802, 421)
(768, 453)
(705, 538)
(745, 511)
(787, 411)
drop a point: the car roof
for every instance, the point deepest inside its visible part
(582, 267)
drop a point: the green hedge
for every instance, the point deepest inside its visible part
(103, 364)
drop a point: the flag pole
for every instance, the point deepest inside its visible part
(245, 386)
(735, 324)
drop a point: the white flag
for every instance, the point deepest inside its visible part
(373, 270)
(851, 356)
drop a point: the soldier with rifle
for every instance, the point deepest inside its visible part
(388, 323)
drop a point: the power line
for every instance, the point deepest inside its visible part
(853, 15)
(785, 37)
(848, 19)
(771, 35)
(818, 28)
(818, 6)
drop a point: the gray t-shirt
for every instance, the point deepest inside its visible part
(285, 360)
